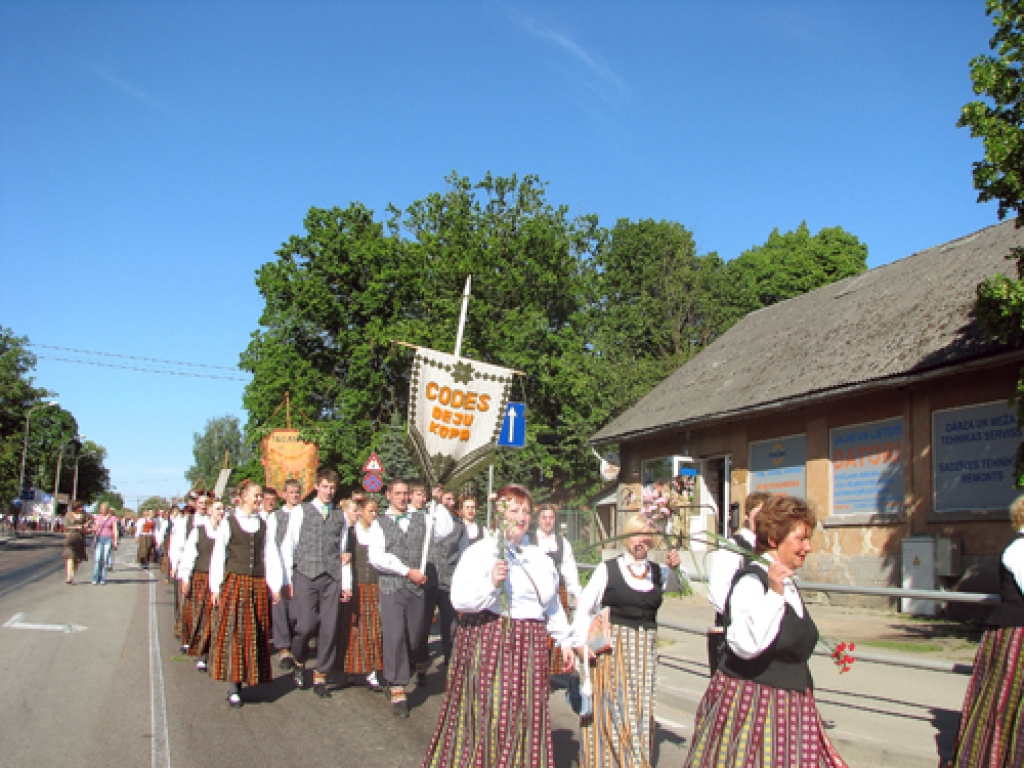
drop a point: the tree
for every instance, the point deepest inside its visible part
(154, 502)
(998, 121)
(17, 394)
(93, 475)
(220, 436)
(113, 498)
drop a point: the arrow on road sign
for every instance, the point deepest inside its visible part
(513, 428)
(15, 622)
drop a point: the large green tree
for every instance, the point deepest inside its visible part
(998, 120)
(18, 394)
(221, 436)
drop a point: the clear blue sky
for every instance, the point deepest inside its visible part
(154, 154)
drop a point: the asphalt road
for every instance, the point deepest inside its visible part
(117, 693)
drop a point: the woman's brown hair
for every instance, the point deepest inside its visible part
(779, 517)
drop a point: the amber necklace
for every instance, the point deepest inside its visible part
(642, 574)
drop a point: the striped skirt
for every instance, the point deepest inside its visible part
(198, 607)
(360, 627)
(621, 732)
(740, 722)
(240, 636)
(556, 653)
(991, 733)
(495, 712)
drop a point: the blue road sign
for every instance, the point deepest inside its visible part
(513, 429)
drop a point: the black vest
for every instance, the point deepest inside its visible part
(740, 542)
(630, 607)
(1009, 613)
(557, 556)
(783, 664)
(204, 546)
(245, 550)
(363, 572)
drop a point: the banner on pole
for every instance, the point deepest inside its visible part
(284, 456)
(456, 409)
(222, 483)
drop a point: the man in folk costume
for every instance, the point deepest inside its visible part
(282, 615)
(442, 557)
(396, 551)
(311, 552)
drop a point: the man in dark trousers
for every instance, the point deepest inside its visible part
(396, 551)
(311, 554)
(442, 557)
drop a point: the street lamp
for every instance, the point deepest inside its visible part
(56, 480)
(24, 444)
(78, 456)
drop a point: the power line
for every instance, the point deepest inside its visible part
(131, 357)
(187, 374)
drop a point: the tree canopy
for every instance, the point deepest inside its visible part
(595, 317)
(220, 436)
(998, 120)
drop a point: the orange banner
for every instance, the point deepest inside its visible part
(285, 456)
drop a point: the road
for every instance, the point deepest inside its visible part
(92, 697)
(118, 693)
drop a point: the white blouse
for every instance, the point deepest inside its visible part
(1013, 559)
(724, 564)
(272, 569)
(589, 602)
(388, 562)
(190, 552)
(549, 545)
(473, 591)
(757, 616)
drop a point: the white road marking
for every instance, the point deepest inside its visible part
(670, 723)
(161, 743)
(15, 622)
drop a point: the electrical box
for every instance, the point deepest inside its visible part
(918, 573)
(949, 557)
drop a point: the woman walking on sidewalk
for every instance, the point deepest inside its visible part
(245, 562)
(991, 729)
(76, 525)
(106, 541)
(620, 732)
(759, 708)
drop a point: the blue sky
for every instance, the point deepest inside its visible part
(154, 154)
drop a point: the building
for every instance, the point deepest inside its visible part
(877, 397)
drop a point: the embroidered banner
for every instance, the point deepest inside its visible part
(456, 408)
(285, 456)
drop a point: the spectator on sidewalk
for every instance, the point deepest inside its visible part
(76, 525)
(759, 707)
(105, 526)
(991, 731)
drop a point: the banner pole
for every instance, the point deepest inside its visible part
(490, 492)
(462, 316)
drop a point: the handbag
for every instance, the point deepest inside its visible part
(579, 695)
(599, 634)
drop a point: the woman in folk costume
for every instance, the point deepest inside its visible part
(245, 575)
(759, 708)
(495, 712)
(194, 575)
(360, 621)
(555, 546)
(145, 528)
(620, 732)
(991, 729)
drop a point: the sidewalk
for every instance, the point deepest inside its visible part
(877, 715)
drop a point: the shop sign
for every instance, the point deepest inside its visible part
(867, 468)
(779, 466)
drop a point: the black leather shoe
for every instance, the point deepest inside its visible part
(320, 689)
(400, 708)
(286, 662)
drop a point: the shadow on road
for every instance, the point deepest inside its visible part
(946, 723)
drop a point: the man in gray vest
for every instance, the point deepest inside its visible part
(282, 620)
(396, 550)
(311, 554)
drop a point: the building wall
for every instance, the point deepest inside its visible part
(860, 549)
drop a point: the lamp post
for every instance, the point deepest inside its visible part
(24, 444)
(56, 480)
(78, 456)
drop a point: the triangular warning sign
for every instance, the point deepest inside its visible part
(373, 465)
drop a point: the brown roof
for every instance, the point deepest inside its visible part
(904, 318)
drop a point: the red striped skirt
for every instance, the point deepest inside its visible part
(198, 607)
(360, 625)
(495, 712)
(240, 634)
(991, 729)
(740, 722)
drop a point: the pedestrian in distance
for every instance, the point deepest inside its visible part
(759, 708)
(76, 526)
(495, 711)
(105, 528)
(194, 578)
(620, 730)
(991, 731)
(145, 536)
(245, 576)
(472, 531)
